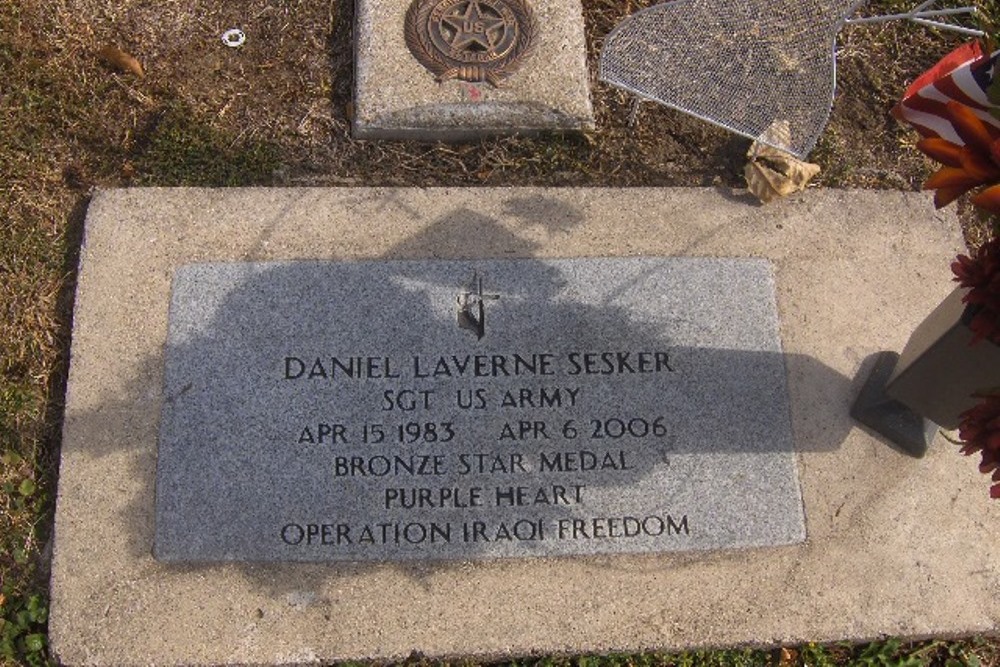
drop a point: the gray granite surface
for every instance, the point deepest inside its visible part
(338, 411)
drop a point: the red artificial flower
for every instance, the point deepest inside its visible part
(989, 199)
(981, 275)
(979, 431)
(968, 166)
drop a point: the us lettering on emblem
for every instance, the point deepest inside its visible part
(470, 40)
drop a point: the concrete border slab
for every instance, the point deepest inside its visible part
(895, 545)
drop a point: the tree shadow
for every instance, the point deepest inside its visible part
(241, 424)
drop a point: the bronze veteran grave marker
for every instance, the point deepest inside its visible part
(472, 40)
(454, 410)
(457, 70)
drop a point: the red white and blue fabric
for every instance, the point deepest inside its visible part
(963, 76)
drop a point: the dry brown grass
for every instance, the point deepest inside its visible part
(277, 111)
(289, 88)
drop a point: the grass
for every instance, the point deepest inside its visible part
(886, 653)
(181, 150)
(278, 112)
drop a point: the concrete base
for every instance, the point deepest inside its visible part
(398, 98)
(895, 545)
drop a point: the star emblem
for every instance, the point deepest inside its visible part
(472, 27)
(470, 40)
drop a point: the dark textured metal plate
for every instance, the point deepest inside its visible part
(471, 40)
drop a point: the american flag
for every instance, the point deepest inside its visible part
(963, 76)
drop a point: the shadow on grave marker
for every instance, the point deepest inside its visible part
(811, 378)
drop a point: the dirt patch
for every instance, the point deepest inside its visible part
(289, 87)
(285, 97)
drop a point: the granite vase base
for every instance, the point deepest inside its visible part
(888, 417)
(934, 379)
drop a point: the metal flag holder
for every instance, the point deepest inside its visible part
(924, 16)
(760, 63)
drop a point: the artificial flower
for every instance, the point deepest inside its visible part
(971, 162)
(989, 199)
(968, 166)
(980, 432)
(980, 274)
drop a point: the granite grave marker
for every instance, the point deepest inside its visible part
(473, 409)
